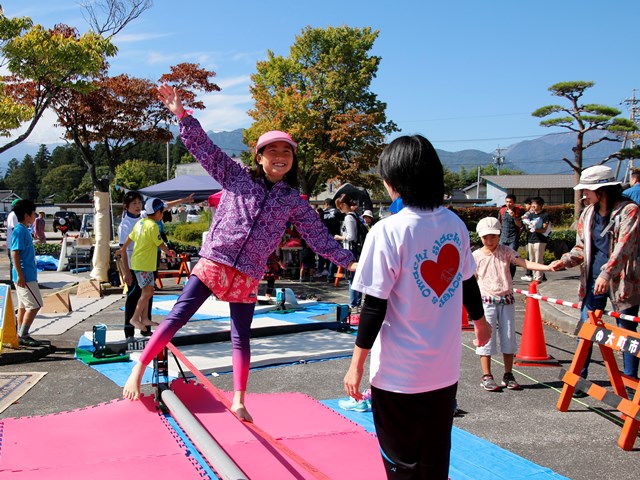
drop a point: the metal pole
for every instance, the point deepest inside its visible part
(224, 466)
(168, 161)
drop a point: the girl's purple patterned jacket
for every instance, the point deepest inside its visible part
(251, 219)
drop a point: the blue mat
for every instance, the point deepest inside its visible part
(472, 458)
(118, 372)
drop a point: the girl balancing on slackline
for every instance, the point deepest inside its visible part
(249, 222)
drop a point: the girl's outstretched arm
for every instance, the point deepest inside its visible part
(169, 96)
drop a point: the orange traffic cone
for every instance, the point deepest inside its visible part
(533, 348)
(466, 326)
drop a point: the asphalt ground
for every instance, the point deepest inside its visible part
(580, 444)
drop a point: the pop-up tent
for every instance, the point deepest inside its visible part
(200, 185)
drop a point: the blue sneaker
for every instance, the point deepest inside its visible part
(354, 405)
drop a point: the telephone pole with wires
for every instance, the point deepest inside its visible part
(499, 159)
(631, 139)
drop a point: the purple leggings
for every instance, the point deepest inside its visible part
(193, 296)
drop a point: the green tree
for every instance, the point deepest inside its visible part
(43, 63)
(135, 174)
(580, 119)
(60, 182)
(321, 95)
(41, 162)
(22, 178)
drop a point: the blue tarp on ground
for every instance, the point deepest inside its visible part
(472, 458)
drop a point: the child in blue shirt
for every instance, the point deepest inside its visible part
(24, 272)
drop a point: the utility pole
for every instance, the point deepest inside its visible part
(168, 161)
(499, 159)
(630, 137)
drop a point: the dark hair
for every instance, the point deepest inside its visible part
(612, 194)
(346, 199)
(328, 202)
(290, 178)
(635, 173)
(538, 200)
(527, 201)
(23, 208)
(410, 165)
(510, 196)
(129, 197)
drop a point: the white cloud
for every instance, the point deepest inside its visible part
(225, 111)
(138, 37)
(45, 130)
(230, 82)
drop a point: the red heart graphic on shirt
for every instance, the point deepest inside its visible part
(440, 274)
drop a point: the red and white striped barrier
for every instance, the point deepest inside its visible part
(574, 305)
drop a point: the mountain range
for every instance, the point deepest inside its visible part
(542, 155)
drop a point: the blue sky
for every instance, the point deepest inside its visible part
(466, 74)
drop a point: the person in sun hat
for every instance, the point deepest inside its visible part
(493, 262)
(607, 245)
(367, 218)
(249, 223)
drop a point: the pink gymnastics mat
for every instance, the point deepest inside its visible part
(124, 439)
(336, 447)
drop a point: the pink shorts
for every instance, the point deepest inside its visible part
(226, 283)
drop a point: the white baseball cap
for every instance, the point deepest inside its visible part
(488, 226)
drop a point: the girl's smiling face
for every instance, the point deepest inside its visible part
(135, 207)
(276, 160)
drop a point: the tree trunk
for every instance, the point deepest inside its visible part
(101, 226)
(577, 194)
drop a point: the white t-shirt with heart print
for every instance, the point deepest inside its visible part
(417, 260)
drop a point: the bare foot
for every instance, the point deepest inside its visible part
(242, 413)
(149, 323)
(137, 324)
(131, 389)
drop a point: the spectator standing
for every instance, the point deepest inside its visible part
(24, 272)
(146, 238)
(538, 227)
(349, 237)
(332, 219)
(511, 224)
(415, 266)
(633, 192)
(367, 218)
(495, 280)
(607, 243)
(132, 205)
(38, 228)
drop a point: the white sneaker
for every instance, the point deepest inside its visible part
(526, 278)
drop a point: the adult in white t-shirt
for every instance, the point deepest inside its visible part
(12, 222)
(413, 269)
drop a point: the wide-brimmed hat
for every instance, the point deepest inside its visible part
(368, 213)
(275, 136)
(488, 226)
(593, 178)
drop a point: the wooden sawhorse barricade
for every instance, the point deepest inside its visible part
(182, 270)
(608, 338)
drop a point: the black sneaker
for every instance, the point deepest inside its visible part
(30, 342)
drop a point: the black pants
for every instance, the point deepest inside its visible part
(133, 295)
(414, 432)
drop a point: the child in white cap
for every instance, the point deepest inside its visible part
(494, 279)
